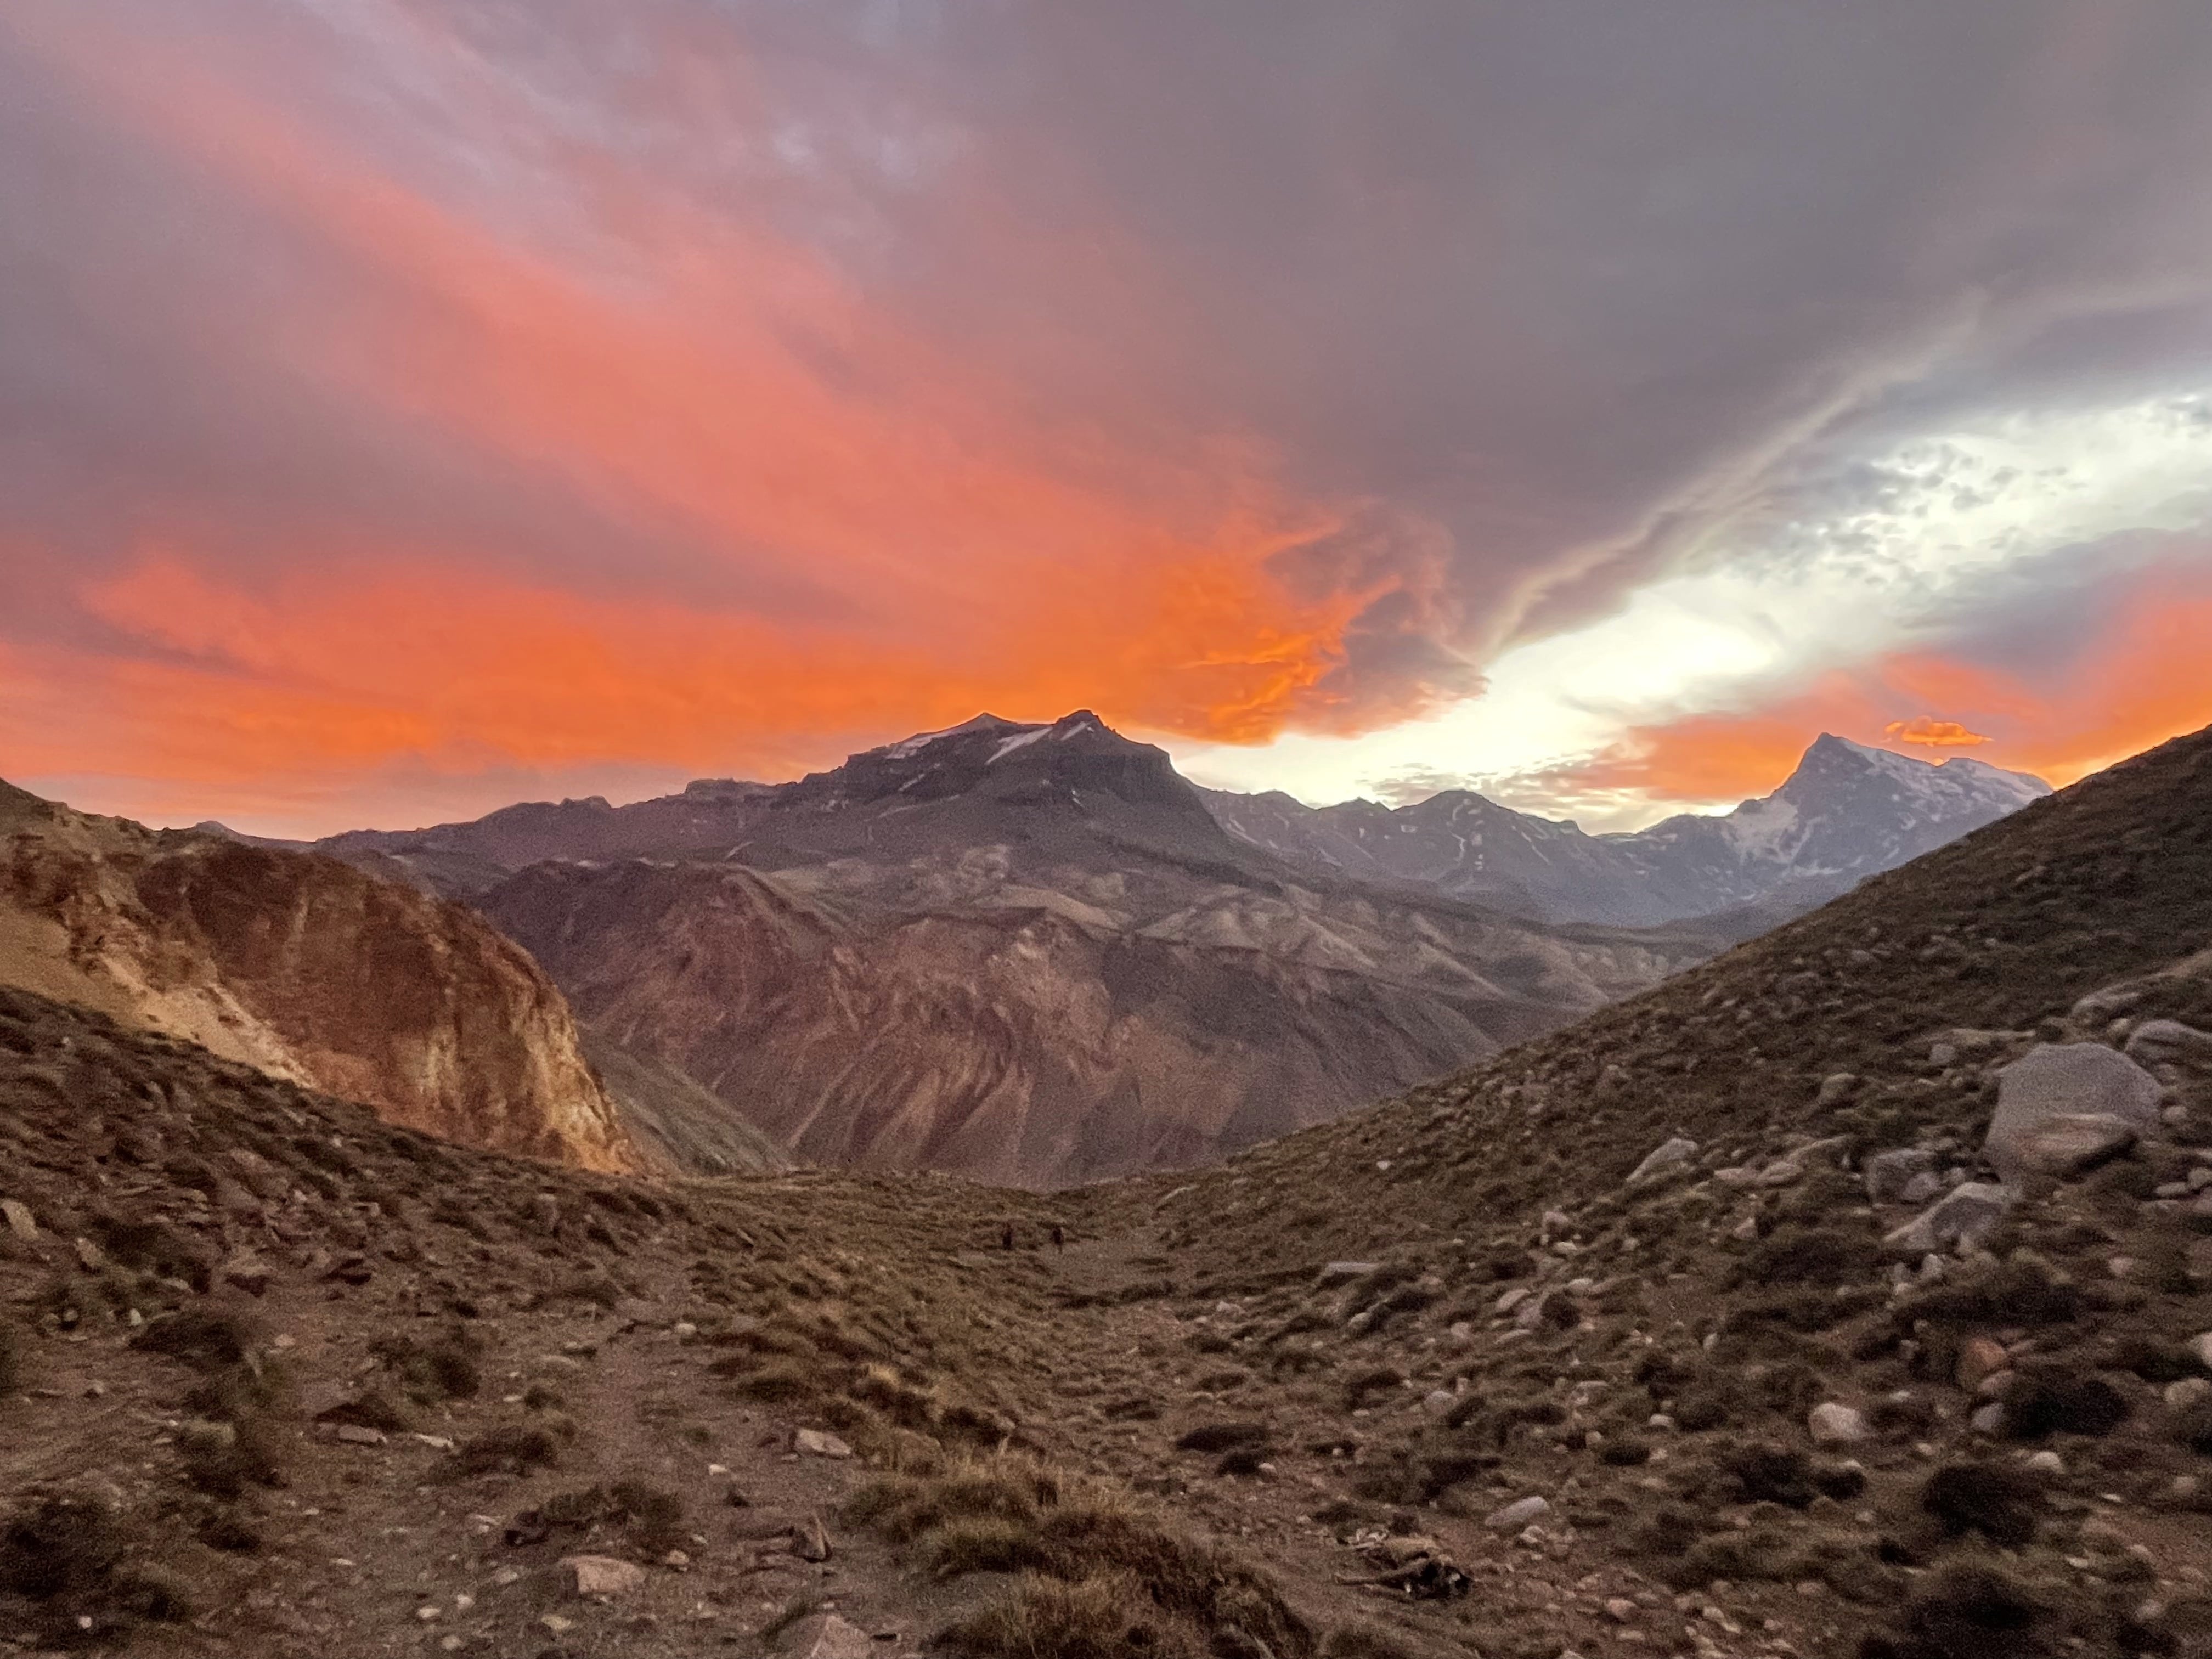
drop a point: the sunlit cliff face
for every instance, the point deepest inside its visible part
(408, 407)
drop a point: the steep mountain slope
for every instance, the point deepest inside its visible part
(1041, 1033)
(1719, 1274)
(1846, 812)
(305, 968)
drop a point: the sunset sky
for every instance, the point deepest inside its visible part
(410, 406)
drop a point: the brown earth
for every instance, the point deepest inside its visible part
(307, 969)
(1189, 1433)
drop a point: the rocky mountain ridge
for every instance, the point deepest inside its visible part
(1846, 812)
(1029, 954)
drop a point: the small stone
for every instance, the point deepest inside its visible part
(248, 1272)
(1966, 1215)
(1922, 1188)
(602, 1575)
(1669, 1155)
(356, 1434)
(683, 1330)
(1886, 1174)
(1979, 1358)
(2188, 1391)
(1438, 1401)
(811, 1542)
(2201, 1348)
(828, 1636)
(1835, 1424)
(1511, 1300)
(555, 1623)
(1620, 1610)
(1746, 1229)
(819, 1442)
(1517, 1515)
(1343, 1273)
(20, 1222)
(429, 1615)
(676, 1561)
(2045, 1463)
(1989, 1420)
(1781, 1173)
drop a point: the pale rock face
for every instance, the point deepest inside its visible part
(2050, 1102)
(306, 968)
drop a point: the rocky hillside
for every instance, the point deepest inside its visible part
(1856, 1286)
(1846, 812)
(1027, 955)
(1706, 1326)
(307, 969)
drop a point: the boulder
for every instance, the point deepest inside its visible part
(1964, 1215)
(1834, 1425)
(2169, 1042)
(2065, 1080)
(1887, 1173)
(2069, 1144)
(602, 1575)
(1668, 1155)
(1517, 1515)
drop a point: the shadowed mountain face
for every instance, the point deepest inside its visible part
(1847, 813)
(1027, 954)
(308, 970)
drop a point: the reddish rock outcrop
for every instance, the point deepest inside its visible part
(305, 968)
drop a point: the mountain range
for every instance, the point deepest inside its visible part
(1026, 952)
(1034, 953)
(1845, 813)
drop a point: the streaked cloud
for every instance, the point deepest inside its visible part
(409, 402)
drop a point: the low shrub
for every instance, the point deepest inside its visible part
(2000, 1503)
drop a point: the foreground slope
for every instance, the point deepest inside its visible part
(1845, 813)
(305, 968)
(1438, 1378)
(1753, 1375)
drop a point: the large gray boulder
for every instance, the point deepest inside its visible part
(2063, 1107)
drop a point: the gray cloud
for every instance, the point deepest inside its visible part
(1551, 289)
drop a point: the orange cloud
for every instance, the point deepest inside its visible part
(928, 545)
(2146, 679)
(1929, 732)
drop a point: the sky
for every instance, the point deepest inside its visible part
(410, 406)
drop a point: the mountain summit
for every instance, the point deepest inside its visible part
(1846, 812)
